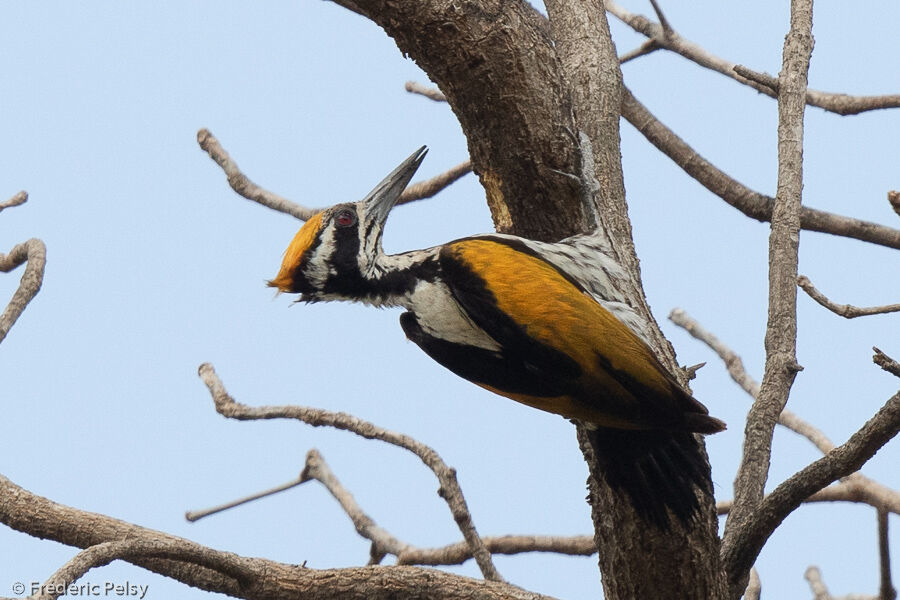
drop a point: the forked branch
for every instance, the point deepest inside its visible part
(16, 200)
(34, 253)
(853, 488)
(242, 184)
(449, 487)
(664, 36)
(225, 572)
(750, 202)
(847, 311)
(886, 585)
(886, 362)
(840, 462)
(384, 544)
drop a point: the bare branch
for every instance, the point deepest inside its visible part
(667, 29)
(383, 543)
(894, 200)
(20, 198)
(429, 92)
(457, 554)
(860, 489)
(754, 586)
(35, 254)
(760, 78)
(735, 367)
(691, 371)
(227, 573)
(196, 515)
(645, 48)
(241, 184)
(428, 188)
(820, 590)
(104, 553)
(669, 39)
(814, 576)
(733, 362)
(886, 589)
(807, 430)
(886, 362)
(449, 488)
(89, 558)
(855, 488)
(840, 462)
(844, 310)
(752, 203)
(29, 513)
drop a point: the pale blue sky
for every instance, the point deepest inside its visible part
(155, 266)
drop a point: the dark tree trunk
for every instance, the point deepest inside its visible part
(539, 104)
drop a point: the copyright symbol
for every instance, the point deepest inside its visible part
(18, 588)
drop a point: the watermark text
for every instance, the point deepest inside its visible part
(124, 589)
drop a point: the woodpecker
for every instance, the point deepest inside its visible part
(541, 323)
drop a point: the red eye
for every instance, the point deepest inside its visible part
(345, 218)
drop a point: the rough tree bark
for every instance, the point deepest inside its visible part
(539, 103)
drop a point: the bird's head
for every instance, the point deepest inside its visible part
(333, 255)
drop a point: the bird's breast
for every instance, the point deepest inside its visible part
(441, 316)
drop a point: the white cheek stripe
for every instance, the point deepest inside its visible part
(441, 316)
(317, 270)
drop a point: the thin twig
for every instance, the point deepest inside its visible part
(842, 104)
(432, 93)
(886, 589)
(35, 254)
(691, 371)
(457, 554)
(20, 198)
(196, 515)
(666, 27)
(449, 487)
(760, 78)
(732, 361)
(383, 543)
(855, 488)
(735, 367)
(428, 188)
(814, 576)
(894, 200)
(646, 48)
(847, 311)
(754, 586)
(750, 202)
(886, 362)
(241, 184)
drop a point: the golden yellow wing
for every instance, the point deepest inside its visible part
(550, 328)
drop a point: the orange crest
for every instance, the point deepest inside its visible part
(302, 242)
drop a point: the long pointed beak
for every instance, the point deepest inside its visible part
(379, 202)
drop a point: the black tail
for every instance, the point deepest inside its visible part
(655, 470)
